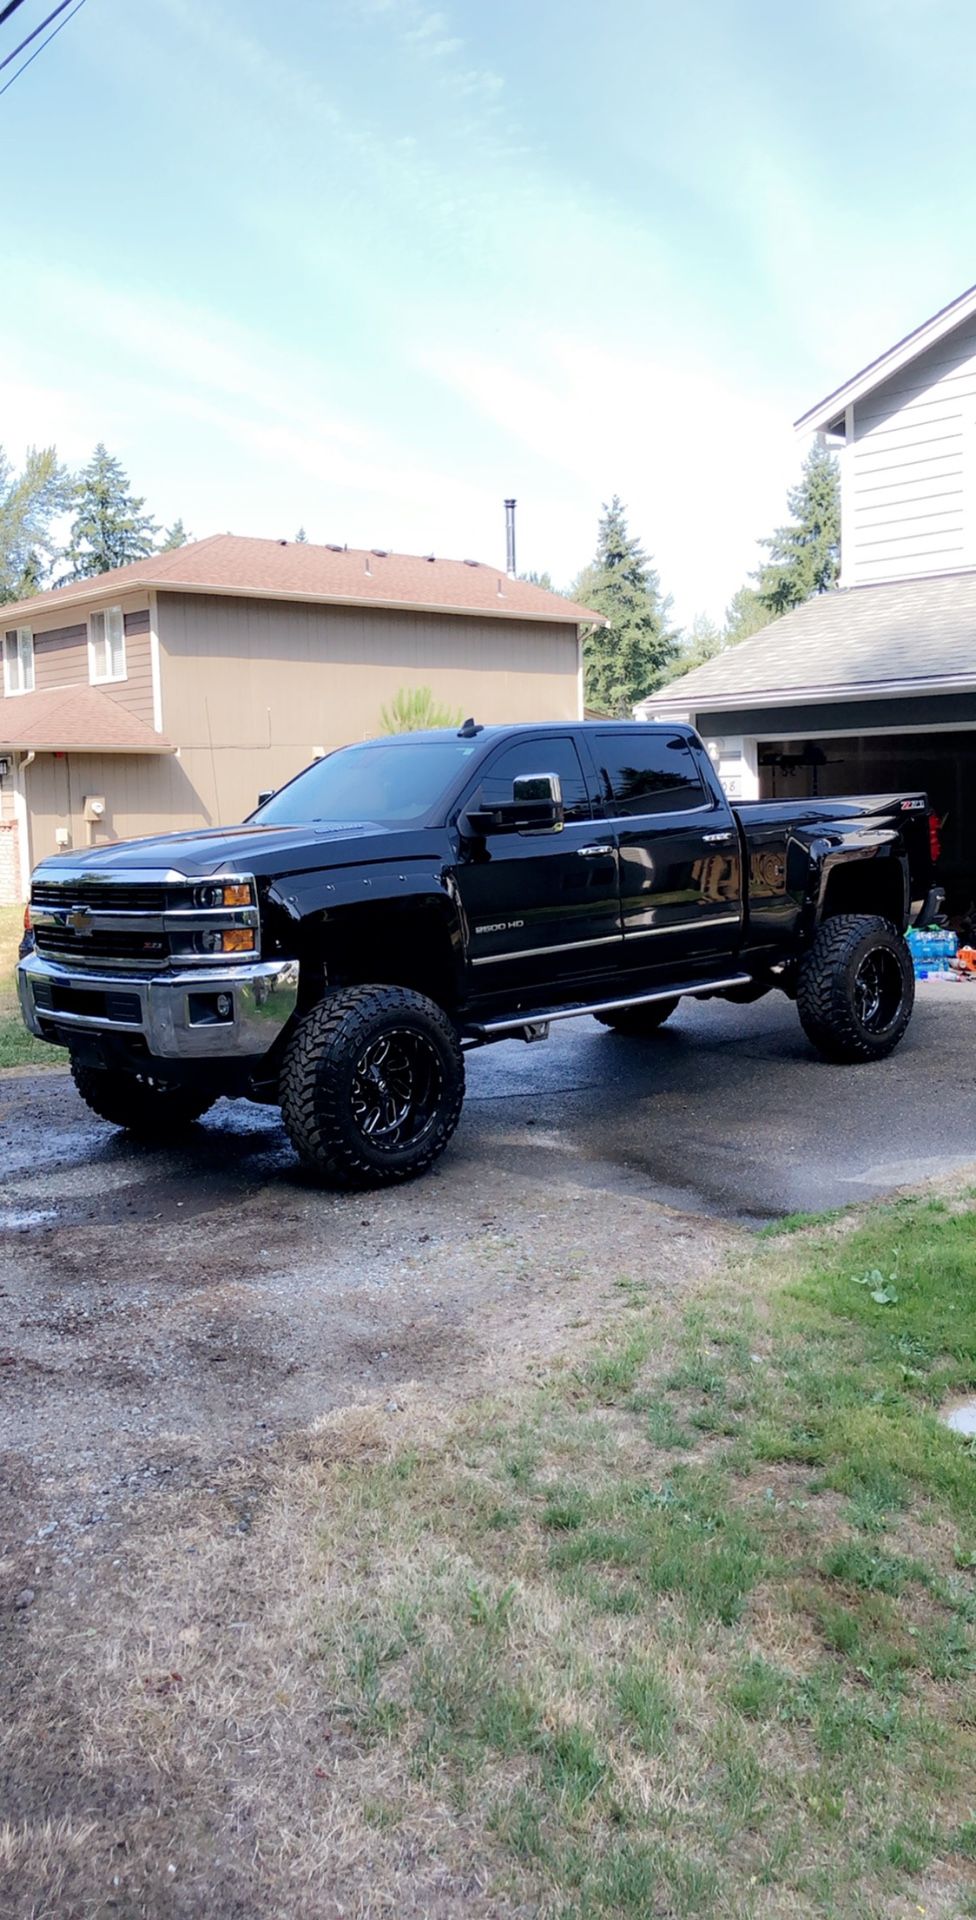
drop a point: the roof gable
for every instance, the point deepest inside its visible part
(829, 411)
(228, 563)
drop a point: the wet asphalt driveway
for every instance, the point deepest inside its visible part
(163, 1312)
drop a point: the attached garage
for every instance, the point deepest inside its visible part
(863, 690)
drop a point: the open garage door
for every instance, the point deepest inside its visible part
(943, 763)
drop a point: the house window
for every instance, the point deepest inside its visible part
(18, 661)
(106, 645)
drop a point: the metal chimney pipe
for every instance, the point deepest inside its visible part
(510, 538)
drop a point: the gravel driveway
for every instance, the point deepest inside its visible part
(166, 1311)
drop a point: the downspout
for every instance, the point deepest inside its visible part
(23, 812)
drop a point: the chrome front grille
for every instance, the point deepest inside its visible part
(144, 924)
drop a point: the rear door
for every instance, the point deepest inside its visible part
(678, 851)
(542, 907)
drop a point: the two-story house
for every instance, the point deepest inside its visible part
(169, 693)
(873, 686)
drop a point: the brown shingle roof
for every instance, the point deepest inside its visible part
(75, 720)
(296, 570)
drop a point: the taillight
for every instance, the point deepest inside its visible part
(935, 837)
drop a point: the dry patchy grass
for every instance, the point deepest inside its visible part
(687, 1629)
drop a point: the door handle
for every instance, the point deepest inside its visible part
(593, 853)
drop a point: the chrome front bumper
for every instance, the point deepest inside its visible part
(175, 1013)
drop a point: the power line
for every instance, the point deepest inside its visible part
(8, 10)
(44, 43)
(33, 36)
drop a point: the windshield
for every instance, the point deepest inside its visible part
(395, 782)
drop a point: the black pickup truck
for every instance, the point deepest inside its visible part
(411, 897)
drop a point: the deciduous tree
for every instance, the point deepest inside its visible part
(29, 502)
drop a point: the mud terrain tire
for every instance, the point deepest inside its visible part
(372, 1085)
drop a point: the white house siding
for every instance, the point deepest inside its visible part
(910, 468)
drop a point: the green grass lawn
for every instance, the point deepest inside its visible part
(18, 1048)
(691, 1630)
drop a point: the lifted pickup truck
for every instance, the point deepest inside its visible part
(411, 897)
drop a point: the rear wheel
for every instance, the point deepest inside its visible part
(638, 1020)
(142, 1106)
(856, 988)
(372, 1085)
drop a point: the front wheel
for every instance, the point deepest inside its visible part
(142, 1106)
(372, 1085)
(856, 988)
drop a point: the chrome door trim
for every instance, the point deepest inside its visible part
(537, 953)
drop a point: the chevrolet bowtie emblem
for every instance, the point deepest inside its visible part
(79, 919)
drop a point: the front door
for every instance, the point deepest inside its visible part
(680, 872)
(542, 907)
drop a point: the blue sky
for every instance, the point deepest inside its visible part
(370, 266)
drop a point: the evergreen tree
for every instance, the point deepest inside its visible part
(632, 656)
(110, 528)
(29, 501)
(702, 642)
(804, 555)
(301, 537)
(539, 580)
(745, 614)
(176, 536)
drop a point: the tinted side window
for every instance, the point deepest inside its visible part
(539, 756)
(649, 772)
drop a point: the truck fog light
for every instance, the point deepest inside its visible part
(225, 1005)
(238, 940)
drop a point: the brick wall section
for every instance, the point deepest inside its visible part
(10, 891)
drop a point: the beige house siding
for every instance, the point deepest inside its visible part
(144, 794)
(61, 654)
(251, 689)
(910, 468)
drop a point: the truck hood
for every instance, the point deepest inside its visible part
(260, 850)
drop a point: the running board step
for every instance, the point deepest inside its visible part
(541, 1016)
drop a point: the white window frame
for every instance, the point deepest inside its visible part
(18, 662)
(104, 614)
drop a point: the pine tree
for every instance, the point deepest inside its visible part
(804, 555)
(301, 537)
(632, 656)
(702, 642)
(175, 536)
(744, 615)
(539, 580)
(29, 501)
(110, 528)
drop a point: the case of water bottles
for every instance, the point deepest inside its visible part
(933, 950)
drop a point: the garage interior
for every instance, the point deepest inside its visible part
(941, 764)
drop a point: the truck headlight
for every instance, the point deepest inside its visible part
(238, 940)
(224, 893)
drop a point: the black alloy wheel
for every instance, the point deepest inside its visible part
(396, 1089)
(877, 989)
